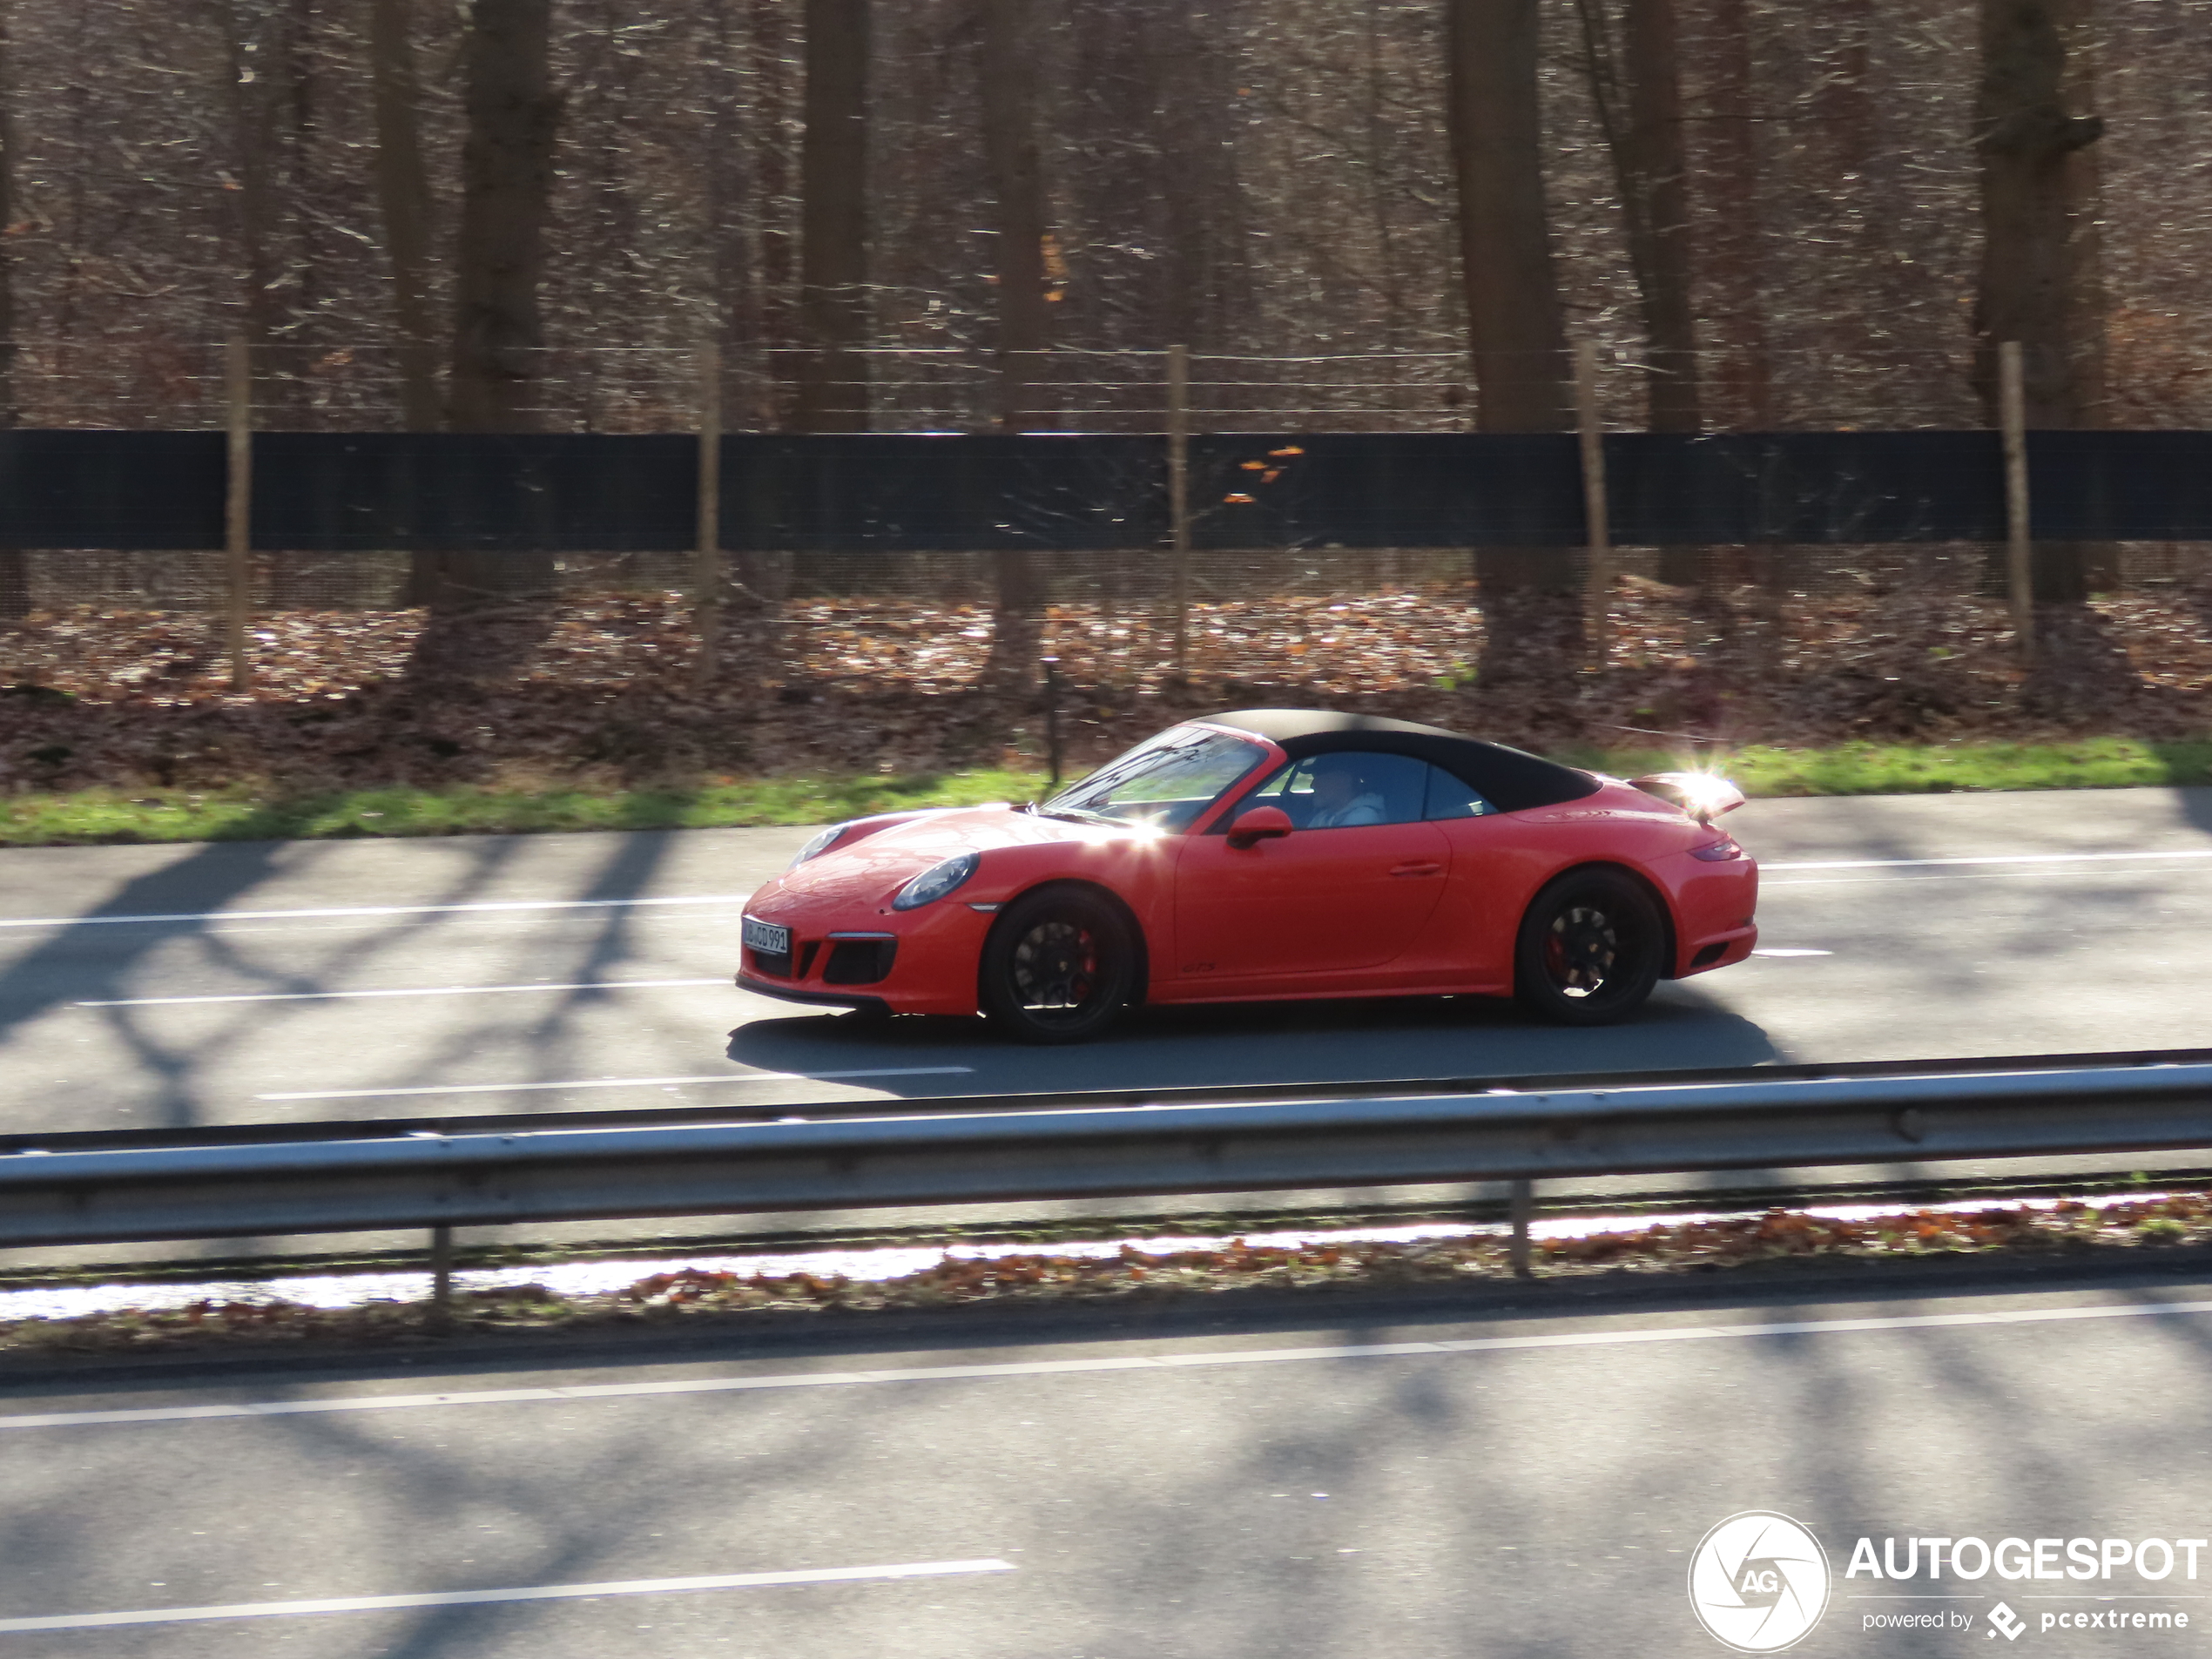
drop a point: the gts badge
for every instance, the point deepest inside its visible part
(1197, 967)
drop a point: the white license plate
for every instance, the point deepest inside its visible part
(768, 940)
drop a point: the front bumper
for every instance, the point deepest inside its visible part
(925, 961)
(789, 993)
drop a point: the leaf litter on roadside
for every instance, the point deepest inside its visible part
(600, 688)
(1667, 1246)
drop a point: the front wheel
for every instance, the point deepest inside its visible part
(1589, 949)
(1058, 968)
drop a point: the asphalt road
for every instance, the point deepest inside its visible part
(157, 987)
(1514, 1484)
(172, 986)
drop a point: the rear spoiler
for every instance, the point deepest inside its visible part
(1701, 794)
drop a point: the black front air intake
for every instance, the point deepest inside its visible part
(859, 961)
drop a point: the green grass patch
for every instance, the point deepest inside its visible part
(91, 816)
(1928, 769)
(181, 815)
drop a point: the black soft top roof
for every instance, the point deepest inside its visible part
(1510, 779)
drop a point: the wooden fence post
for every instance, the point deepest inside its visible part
(2020, 569)
(706, 560)
(238, 505)
(1597, 580)
(1179, 498)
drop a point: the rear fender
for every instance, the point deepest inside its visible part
(1668, 921)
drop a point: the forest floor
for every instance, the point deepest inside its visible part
(121, 725)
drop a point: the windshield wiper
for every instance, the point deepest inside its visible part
(1074, 814)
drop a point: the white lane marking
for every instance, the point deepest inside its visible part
(739, 898)
(367, 910)
(439, 990)
(1761, 951)
(620, 1082)
(1944, 876)
(1127, 1362)
(535, 1593)
(2009, 858)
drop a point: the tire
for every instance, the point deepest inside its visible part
(1059, 967)
(1590, 949)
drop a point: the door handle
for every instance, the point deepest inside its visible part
(1425, 868)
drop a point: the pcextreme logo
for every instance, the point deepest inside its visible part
(1759, 1582)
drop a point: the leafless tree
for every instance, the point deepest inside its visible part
(403, 199)
(834, 299)
(1516, 330)
(1010, 148)
(495, 383)
(514, 116)
(1637, 88)
(2035, 181)
(15, 568)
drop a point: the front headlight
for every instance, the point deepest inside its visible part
(936, 881)
(820, 844)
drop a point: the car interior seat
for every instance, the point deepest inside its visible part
(1401, 785)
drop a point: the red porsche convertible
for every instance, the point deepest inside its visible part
(1269, 853)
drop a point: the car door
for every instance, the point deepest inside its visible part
(1343, 899)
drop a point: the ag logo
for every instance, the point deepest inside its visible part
(1758, 1581)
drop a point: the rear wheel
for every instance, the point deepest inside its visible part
(1058, 968)
(1589, 949)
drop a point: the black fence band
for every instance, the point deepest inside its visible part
(602, 492)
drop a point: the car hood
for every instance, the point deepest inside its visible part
(877, 865)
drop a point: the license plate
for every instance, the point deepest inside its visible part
(766, 939)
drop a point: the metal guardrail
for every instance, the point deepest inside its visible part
(440, 1180)
(1351, 1091)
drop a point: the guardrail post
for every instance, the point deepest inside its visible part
(440, 1278)
(1524, 1211)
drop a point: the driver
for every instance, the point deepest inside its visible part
(1341, 797)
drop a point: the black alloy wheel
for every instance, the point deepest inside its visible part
(1590, 949)
(1058, 967)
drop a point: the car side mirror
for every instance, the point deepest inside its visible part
(1260, 824)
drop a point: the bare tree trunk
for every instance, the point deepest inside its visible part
(495, 382)
(1010, 100)
(1009, 84)
(1516, 329)
(2030, 140)
(514, 116)
(1643, 128)
(15, 564)
(833, 228)
(1192, 71)
(261, 60)
(403, 199)
(2088, 299)
(1640, 106)
(774, 265)
(1733, 251)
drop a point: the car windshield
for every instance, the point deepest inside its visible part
(1166, 782)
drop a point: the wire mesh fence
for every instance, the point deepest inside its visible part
(1257, 601)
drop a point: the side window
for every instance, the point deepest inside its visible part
(1449, 797)
(1346, 790)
